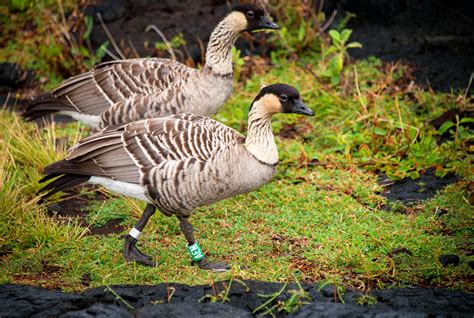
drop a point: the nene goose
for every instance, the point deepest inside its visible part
(179, 162)
(123, 91)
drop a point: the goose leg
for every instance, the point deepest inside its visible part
(188, 232)
(131, 252)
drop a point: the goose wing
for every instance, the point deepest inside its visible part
(108, 83)
(177, 138)
(124, 152)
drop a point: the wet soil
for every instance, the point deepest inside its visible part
(127, 21)
(409, 191)
(292, 131)
(74, 207)
(177, 300)
(434, 36)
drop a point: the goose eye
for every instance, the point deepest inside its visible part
(283, 97)
(250, 14)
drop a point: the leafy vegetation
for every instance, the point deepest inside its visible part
(301, 27)
(321, 219)
(38, 36)
(297, 298)
(338, 50)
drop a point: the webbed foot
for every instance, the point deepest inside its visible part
(133, 254)
(215, 267)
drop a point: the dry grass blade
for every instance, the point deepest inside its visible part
(111, 38)
(468, 86)
(163, 37)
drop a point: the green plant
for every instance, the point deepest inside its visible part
(222, 296)
(176, 41)
(461, 133)
(263, 309)
(172, 47)
(84, 50)
(238, 62)
(366, 300)
(22, 218)
(20, 4)
(302, 26)
(298, 297)
(119, 298)
(336, 53)
(338, 288)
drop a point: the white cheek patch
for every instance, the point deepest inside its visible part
(271, 103)
(237, 21)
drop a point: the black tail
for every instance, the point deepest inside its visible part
(45, 105)
(64, 178)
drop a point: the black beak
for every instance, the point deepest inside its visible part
(266, 23)
(300, 108)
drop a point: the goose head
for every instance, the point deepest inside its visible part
(250, 17)
(280, 98)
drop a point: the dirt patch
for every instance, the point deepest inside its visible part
(75, 207)
(195, 20)
(300, 128)
(295, 245)
(177, 300)
(44, 280)
(14, 79)
(48, 277)
(434, 36)
(409, 191)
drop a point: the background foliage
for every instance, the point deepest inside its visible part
(323, 217)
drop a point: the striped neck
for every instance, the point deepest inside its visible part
(260, 141)
(219, 49)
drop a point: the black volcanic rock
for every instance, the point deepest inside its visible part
(191, 301)
(449, 259)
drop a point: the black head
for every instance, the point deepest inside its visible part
(284, 98)
(255, 16)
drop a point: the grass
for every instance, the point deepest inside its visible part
(321, 219)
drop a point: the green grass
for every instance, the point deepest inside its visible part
(100, 212)
(321, 218)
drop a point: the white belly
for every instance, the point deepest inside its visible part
(90, 120)
(124, 188)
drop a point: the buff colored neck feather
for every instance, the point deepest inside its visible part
(219, 49)
(260, 141)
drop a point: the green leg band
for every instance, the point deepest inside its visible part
(196, 252)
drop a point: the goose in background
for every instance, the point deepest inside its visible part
(179, 162)
(123, 91)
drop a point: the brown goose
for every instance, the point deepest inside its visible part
(179, 162)
(123, 91)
